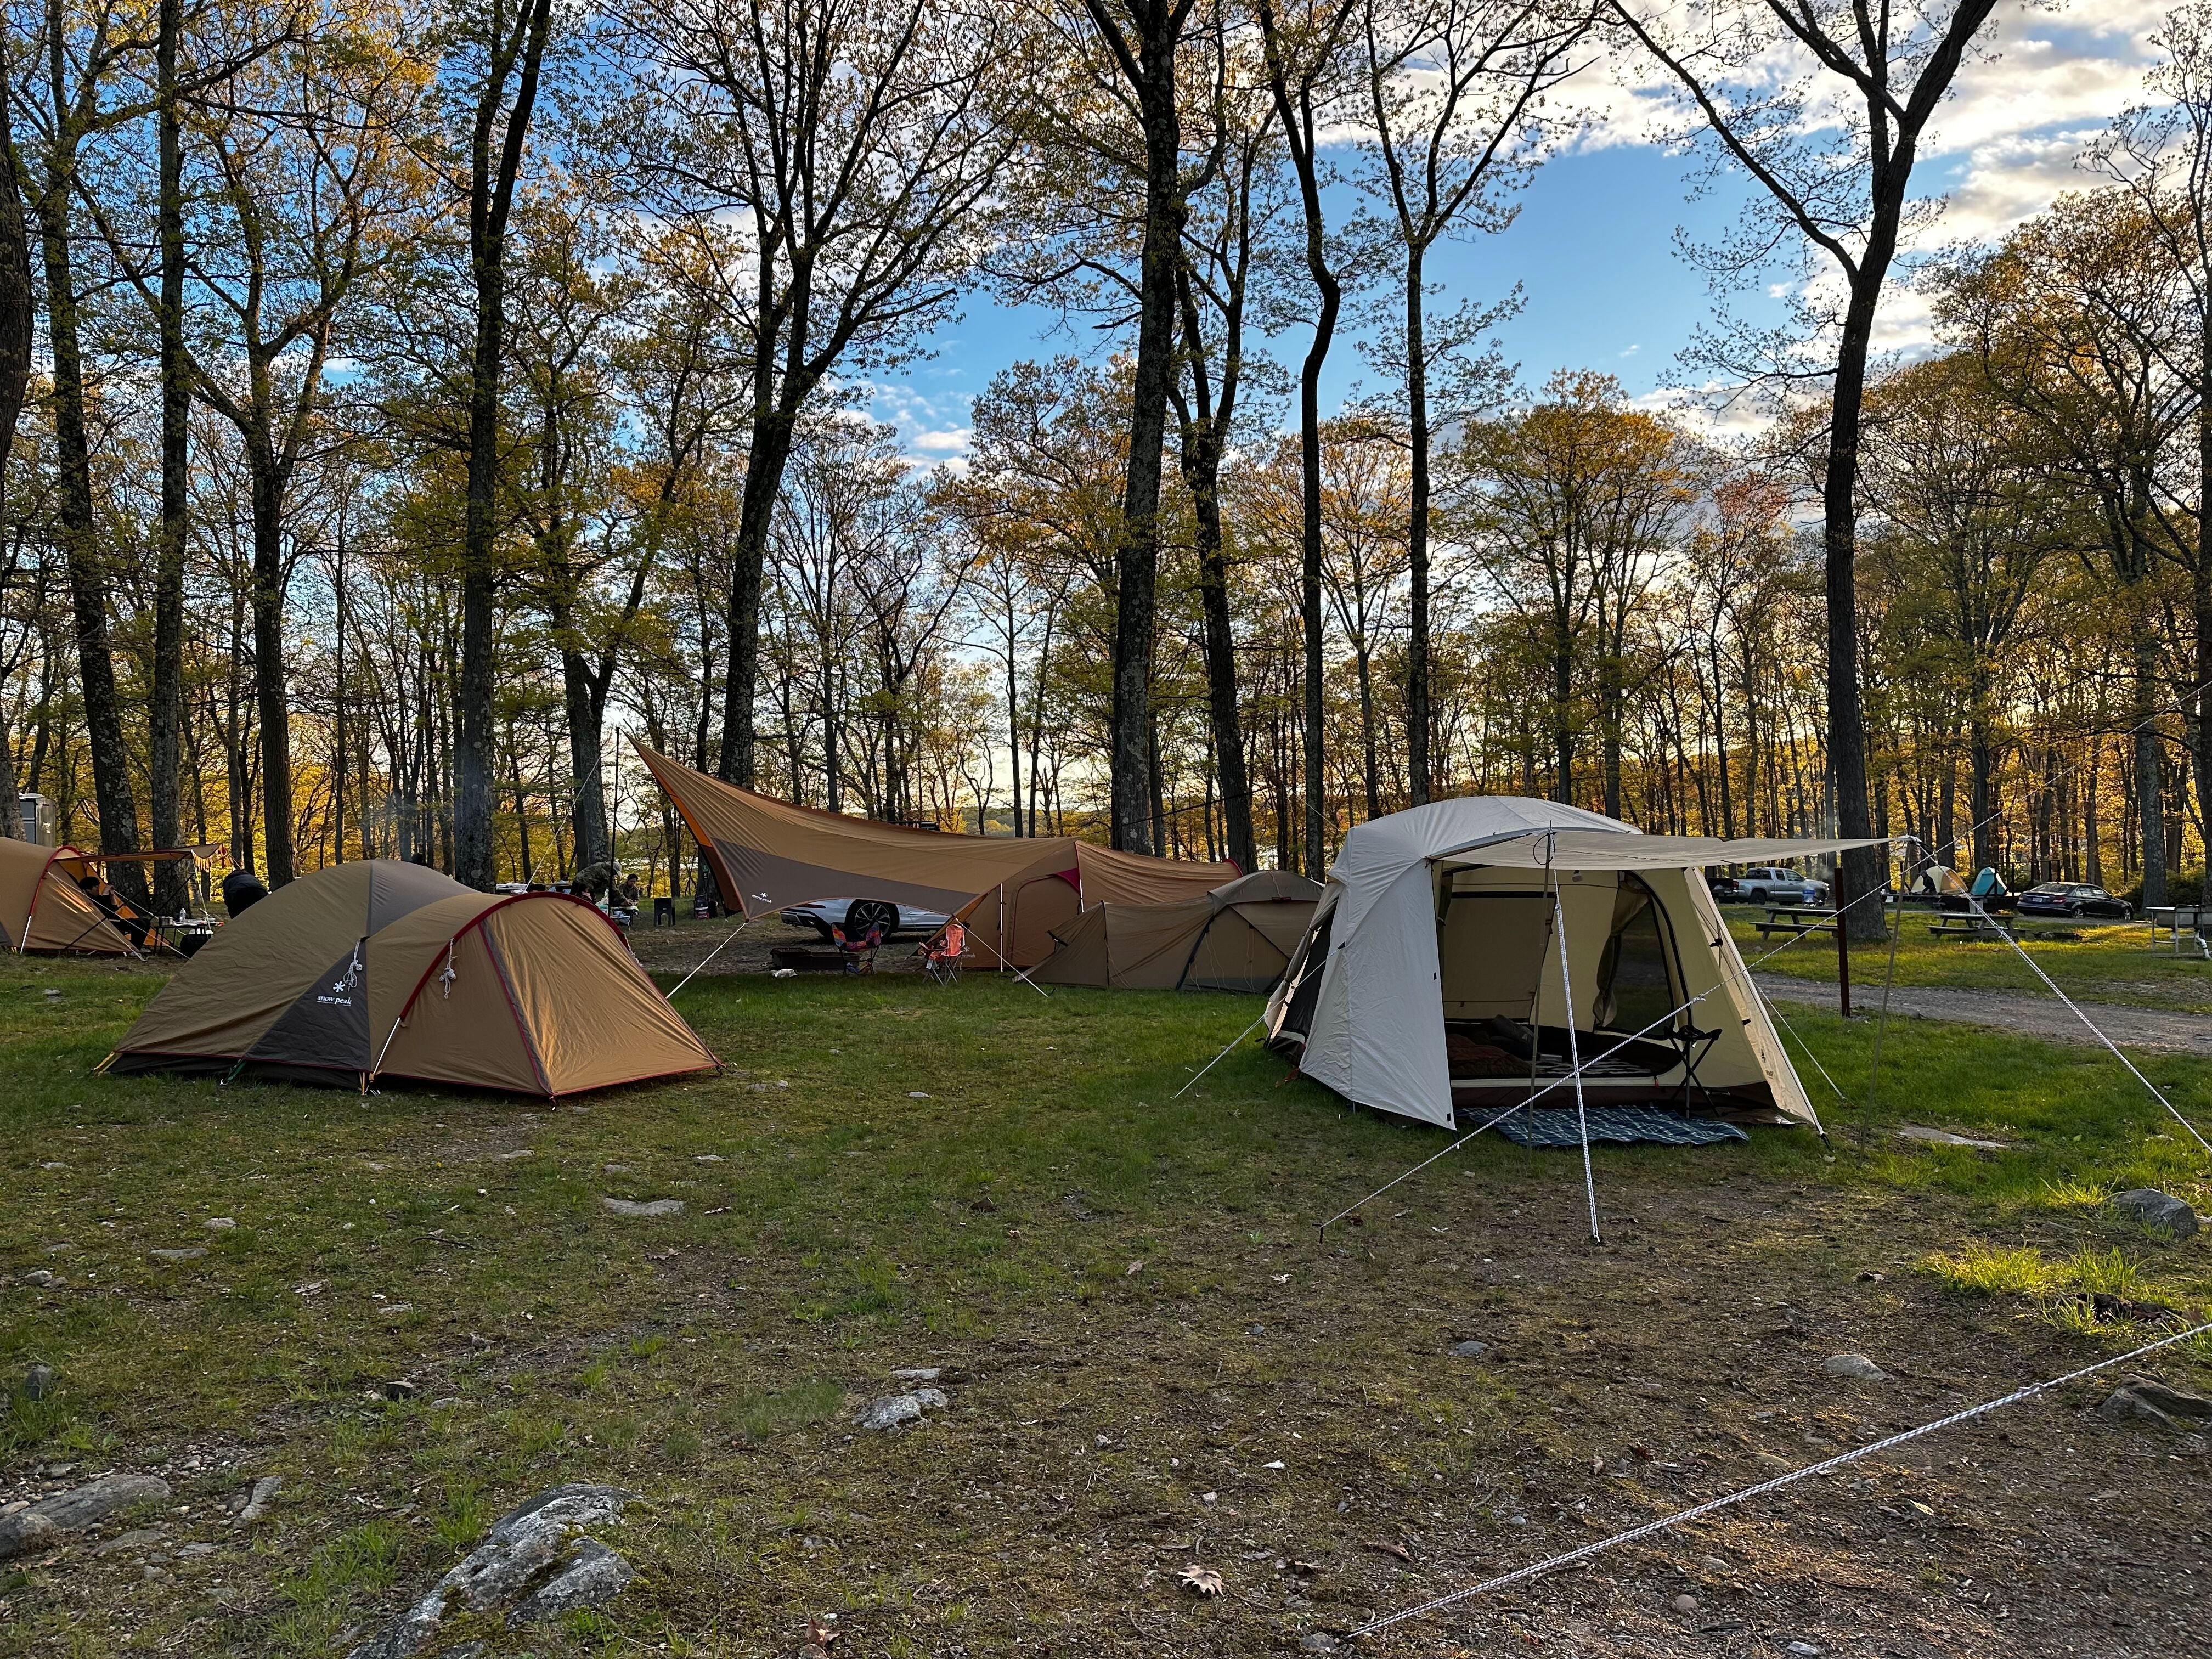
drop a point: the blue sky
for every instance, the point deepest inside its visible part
(1593, 245)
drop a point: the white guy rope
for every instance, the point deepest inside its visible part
(1774, 1008)
(1663, 1019)
(1683, 1517)
(2154, 1092)
(712, 954)
(1218, 1058)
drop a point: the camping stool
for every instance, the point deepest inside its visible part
(1694, 1046)
(663, 910)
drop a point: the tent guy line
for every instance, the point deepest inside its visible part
(1663, 1019)
(1828, 1466)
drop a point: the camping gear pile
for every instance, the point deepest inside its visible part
(380, 969)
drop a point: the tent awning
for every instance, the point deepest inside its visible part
(1609, 849)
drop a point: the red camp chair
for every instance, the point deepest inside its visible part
(942, 954)
(860, 950)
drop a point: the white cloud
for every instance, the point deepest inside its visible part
(951, 442)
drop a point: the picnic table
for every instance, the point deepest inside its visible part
(183, 934)
(1796, 919)
(1972, 927)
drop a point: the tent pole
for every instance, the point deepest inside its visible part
(1574, 1049)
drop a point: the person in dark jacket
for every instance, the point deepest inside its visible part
(241, 891)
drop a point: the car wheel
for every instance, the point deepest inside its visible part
(863, 914)
(1759, 896)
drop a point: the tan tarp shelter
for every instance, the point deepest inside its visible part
(380, 968)
(1430, 978)
(1013, 891)
(42, 908)
(1239, 937)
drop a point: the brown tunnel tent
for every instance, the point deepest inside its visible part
(1239, 937)
(380, 969)
(1430, 980)
(1011, 891)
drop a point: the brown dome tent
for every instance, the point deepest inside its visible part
(1239, 937)
(42, 909)
(380, 969)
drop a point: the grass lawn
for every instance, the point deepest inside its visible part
(2105, 961)
(1155, 1359)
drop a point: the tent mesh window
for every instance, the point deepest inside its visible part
(1638, 981)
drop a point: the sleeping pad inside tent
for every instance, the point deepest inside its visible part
(380, 969)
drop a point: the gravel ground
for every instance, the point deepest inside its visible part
(2030, 1015)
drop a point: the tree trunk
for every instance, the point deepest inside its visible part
(165, 701)
(1203, 473)
(89, 579)
(585, 740)
(1418, 765)
(271, 694)
(2150, 794)
(491, 195)
(1846, 733)
(773, 429)
(1137, 558)
(16, 321)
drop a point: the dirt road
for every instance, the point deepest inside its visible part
(2026, 1013)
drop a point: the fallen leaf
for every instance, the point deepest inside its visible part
(1305, 1569)
(1204, 1580)
(821, 1636)
(1132, 1268)
(1597, 1466)
(1398, 1550)
(1922, 1507)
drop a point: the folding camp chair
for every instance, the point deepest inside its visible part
(860, 950)
(942, 954)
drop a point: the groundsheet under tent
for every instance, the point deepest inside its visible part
(1545, 1127)
(1011, 891)
(1431, 983)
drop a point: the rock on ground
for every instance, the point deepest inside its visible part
(2162, 1213)
(2154, 1402)
(899, 1409)
(1470, 1349)
(46, 1523)
(650, 1206)
(1857, 1365)
(533, 1558)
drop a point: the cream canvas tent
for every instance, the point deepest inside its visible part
(1013, 891)
(379, 968)
(1239, 937)
(42, 909)
(1431, 979)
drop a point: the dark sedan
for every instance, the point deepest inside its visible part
(2072, 899)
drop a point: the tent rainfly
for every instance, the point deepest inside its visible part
(380, 969)
(42, 908)
(1430, 978)
(1239, 937)
(1012, 891)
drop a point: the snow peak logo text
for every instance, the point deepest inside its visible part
(337, 999)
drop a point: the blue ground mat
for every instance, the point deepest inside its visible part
(1541, 1127)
